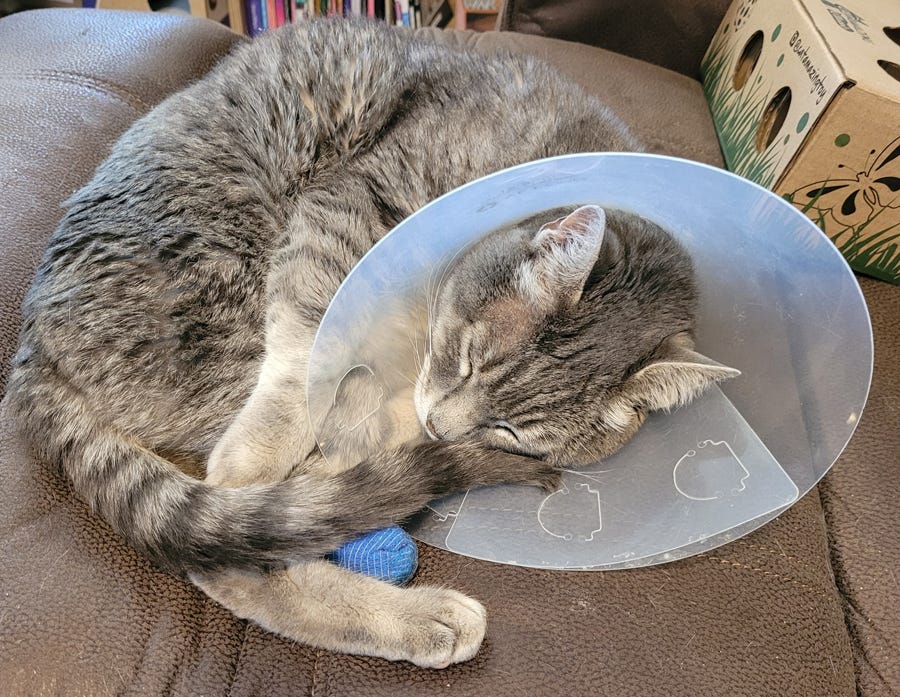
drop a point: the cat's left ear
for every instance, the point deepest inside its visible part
(676, 376)
(564, 254)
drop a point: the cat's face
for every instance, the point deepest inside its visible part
(556, 337)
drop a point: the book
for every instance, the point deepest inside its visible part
(441, 16)
(255, 21)
(401, 13)
(279, 12)
(264, 14)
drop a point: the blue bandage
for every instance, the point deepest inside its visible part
(389, 554)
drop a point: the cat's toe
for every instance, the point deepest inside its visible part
(547, 477)
(534, 472)
(468, 618)
(452, 630)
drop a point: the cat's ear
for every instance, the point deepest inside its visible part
(563, 255)
(677, 374)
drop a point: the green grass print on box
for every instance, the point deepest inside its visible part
(737, 120)
(877, 254)
(872, 246)
(874, 253)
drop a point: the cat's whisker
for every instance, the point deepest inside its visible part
(421, 356)
(430, 300)
(415, 353)
(405, 377)
(414, 340)
(445, 269)
(428, 322)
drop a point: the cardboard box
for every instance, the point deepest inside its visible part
(805, 96)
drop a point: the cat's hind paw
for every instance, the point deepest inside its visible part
(446, 627)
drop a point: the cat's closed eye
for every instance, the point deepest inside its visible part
(575, 327)
(465, 355)
(469, 353)
(506, 429)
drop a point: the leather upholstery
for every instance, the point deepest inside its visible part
(70, 83)
(670, 34)
(666, 110)
(82, 614)
(859, 497)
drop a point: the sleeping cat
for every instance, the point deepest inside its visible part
(165, 339)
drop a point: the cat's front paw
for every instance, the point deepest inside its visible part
(439, 628)
(466, 464)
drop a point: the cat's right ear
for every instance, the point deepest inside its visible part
(563, 255)
(675, 376)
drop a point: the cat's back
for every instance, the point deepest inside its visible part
(158, 270)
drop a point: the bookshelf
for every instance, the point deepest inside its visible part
(485, 11)
(252, 17)
(255, 16)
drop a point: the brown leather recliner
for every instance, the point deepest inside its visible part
(806, 605)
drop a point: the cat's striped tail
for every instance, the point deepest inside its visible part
(187, 525)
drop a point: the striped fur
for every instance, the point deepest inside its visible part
(584, 328)
(166, 334)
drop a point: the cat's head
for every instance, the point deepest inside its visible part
(555, 337)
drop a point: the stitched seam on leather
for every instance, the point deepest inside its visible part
(778, 554)
(314, 683)
(766, 572)
(862, 650)
(861, 622)
(237, 663)
(873, 660)
(106, 88)
(858, 646)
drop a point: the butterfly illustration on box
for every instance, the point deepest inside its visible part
(852, 201)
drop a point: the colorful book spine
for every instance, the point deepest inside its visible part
(370, 8)
(256, 23)
(401, 13)
(441, 16)
(264, 14)
(279, 12)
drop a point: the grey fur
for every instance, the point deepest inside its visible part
(166, 334)
(560, 371)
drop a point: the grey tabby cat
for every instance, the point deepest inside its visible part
(166, 336)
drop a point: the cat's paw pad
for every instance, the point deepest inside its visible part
(447, 627)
